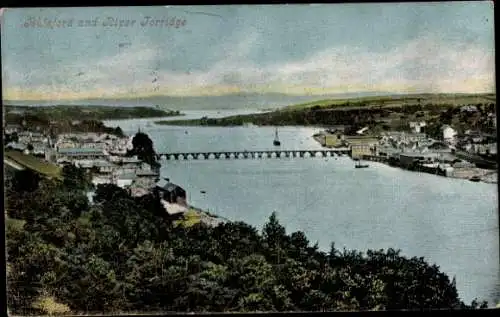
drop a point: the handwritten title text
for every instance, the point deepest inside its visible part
(107, 22)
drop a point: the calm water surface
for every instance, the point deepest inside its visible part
(453, 223)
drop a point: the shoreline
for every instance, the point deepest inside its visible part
(206, 217)
(465, 173)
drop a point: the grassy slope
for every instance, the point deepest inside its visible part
(438, 99)
(390, 102)
(34, 164)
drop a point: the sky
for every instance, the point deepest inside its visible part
(216, 50)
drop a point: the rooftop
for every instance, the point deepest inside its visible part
(166, 185)
(173, 209)
(418, 154)
(130, 160)
(146, 173)
(80, 150)
(16, 145)
(126, 176)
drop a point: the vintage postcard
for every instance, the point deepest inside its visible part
(250, 158)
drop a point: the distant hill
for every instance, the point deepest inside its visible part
(396, 100)
(231, 101)
(253, 100)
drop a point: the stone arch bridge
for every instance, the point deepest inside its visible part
(252, 154)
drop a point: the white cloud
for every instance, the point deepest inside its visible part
(426, 64)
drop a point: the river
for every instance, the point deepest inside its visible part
(450, 222)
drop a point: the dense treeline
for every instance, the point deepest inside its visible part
(125, 254)
(45, 124)
(62, 112)
(66, 119)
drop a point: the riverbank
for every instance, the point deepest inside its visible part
(195, 215)
(485, 176)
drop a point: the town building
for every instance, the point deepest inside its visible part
(79, 153)
(175, 211)
(417, 126)
(468, 108)
(18, 146)
(408, 159)
(333, 139)
(387, 151)
(147, 178)
(438, 147)
(449, 134)
(170, 192)
(362, 131)
(358, 150)
(124, 180)
(13, 128)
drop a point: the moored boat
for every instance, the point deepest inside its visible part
(359, 165)
(276, 141)
(475, 179)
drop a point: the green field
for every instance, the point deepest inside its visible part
(191, 217)
(397, 100)
(34, 163)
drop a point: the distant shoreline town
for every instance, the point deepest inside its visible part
(104, 153)
(468, 156)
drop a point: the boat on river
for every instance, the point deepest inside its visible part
(360, 165)
(475, 179)
(276, 141)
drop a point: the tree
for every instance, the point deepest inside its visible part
(118, 131)
(144, 149)
(13, 137)
(255, 279)
(121, 254)
(109, 192)
(274, 235)
(75, 178)
(25, 181)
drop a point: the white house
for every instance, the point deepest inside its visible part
(448, 133)
(468, 108)
(362, 131)
(417, 126)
